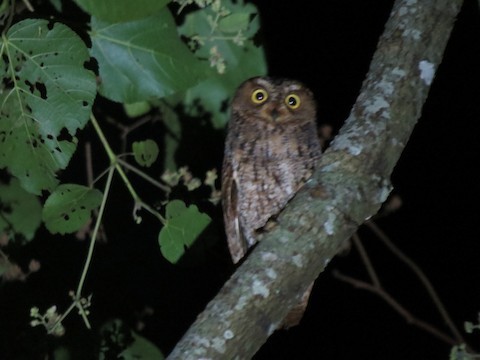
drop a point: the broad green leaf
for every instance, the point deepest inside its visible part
(172, 137)
(121, 10)
(137, 109)
(20, 211)
(144, 59)
(145, 152)
(175, 208)
(234, 22)
(243, 59)
(171, 245)
(46, 95)
(184, 224)
(141, 349)
(69, 207)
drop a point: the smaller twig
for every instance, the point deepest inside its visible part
(396, 306)
(90, 181)
(88, 163)
(93, 239)
(421, 276)
(80, 304)
(82, 312)
(377, 289)
(139, 203)
(125, 130)
(28, 5)
(101, 175)
(58, 322)
(366, 260)
(8, 22)
(143, 175)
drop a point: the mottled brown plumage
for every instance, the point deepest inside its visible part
(270, 151)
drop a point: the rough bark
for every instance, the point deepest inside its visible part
(350, 185)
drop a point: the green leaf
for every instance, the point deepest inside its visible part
(121, 10)
(175, 208)
(184, 224)
(171, 246)
(46, 95)
(141, 349)
(234, 22)
(172, 136)
(137, 109)
(144, 59)
(20, 211)
(242, 60)
(69, 207)
(145, 152)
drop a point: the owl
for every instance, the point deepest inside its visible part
(271, 150)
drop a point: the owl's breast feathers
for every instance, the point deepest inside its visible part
(263, 169)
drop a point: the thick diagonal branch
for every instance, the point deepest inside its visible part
(351, 183)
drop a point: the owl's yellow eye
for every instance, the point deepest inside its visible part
(259, 96)
(292, 101)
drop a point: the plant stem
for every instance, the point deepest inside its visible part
(94, 235)
(103, 139)
(143, 175)
(114, 166)
(139, 203)
(28, 5)
(64, 315)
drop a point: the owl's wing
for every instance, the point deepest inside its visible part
(236, 242)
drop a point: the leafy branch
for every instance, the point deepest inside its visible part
(47, 96)
(180, 228)
(114, 161)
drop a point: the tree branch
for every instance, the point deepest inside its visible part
(366, 260)
(407, 315)
(349, 186)
(423, 279)
(378, 289)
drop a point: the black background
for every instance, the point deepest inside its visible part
(327, 45)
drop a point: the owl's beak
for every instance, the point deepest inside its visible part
(274, 114)
(278, 112)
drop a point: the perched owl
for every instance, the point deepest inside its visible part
(271, 149)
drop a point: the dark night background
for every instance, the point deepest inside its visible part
(328, 45)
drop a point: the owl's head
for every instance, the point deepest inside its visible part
(274, 100)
